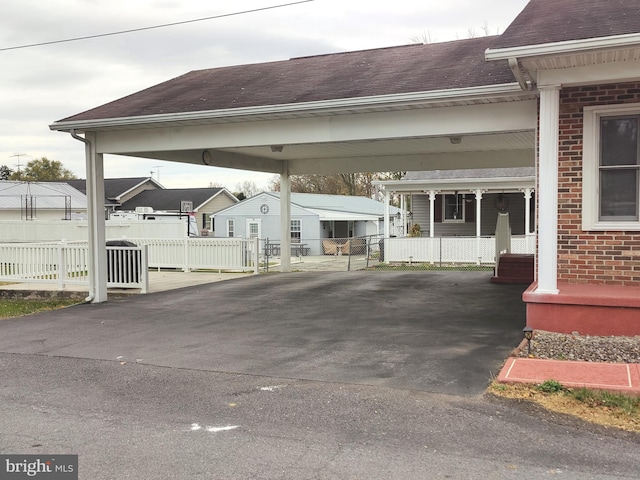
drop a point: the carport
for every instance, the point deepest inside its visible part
(415, 107)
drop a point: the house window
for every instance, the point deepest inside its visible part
(296, 231)
(231, 228)
(453, 208)
(611, 168)
(254, 230)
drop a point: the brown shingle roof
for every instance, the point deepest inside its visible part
(550, 21)
(395, 70)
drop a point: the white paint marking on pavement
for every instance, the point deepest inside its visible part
(195, 426)
(272, 388)
(221, 429)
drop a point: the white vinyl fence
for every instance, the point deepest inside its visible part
(65, 263)
(468, 250)
(188, 254)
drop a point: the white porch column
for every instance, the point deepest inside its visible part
(403, 215)
(285, 218)
(478, 194)
(387, 224)
(527, 215)
(95, 221)
(548, 189)
(432, 222)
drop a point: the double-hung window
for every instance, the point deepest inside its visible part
(453, 208)
(296, 231)
(611, 168)
(231, 228)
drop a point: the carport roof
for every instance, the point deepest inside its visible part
(378, 72)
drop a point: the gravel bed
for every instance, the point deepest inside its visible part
(584, 348)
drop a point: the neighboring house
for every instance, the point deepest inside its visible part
(41, 201)
(467, 202)
(559, 90)
(314, 217)
(205, 201)
(118, 190)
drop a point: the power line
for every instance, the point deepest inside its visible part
(133, 30)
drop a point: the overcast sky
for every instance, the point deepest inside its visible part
(43, 84)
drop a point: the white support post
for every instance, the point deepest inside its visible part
(432, 222)
(548, 190)
(96, 222)
(387, 223)
(403, 215)
(478, 194)
(285, 218)
(527, 216)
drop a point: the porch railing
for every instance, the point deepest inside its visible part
(469, 250)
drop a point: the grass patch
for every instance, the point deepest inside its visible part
(19, 307)
(434, 267)
(599, 407)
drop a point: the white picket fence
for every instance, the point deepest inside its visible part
(188, 254)
(468, 250)
(66, 263)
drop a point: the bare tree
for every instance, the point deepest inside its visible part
(424, 38)
(248, 188)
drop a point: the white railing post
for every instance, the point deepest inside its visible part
(256, 256)
(62, 269)
(144, 269)
(186, 258)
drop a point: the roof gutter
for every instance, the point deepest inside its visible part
(319, 107)
(567, 47)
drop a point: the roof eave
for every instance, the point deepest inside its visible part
(566, 47)
(459, 183)
(304, 108)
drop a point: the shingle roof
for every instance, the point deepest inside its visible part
(395, 70)
(113, 187)
(549, 21)
(169, 199)
(476, 173)
(48, 195)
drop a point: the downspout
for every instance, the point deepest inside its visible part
(73, 133)
(522, 75)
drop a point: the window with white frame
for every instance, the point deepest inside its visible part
(453, 208)
(296, 231)
(231, 228)
(611, 168)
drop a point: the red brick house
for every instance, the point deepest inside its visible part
(559, 90)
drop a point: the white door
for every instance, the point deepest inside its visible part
(254, 228)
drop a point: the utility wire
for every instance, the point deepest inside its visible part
(142, 29)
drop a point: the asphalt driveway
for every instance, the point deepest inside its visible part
(441, 332)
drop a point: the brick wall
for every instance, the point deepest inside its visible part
(590, 257)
